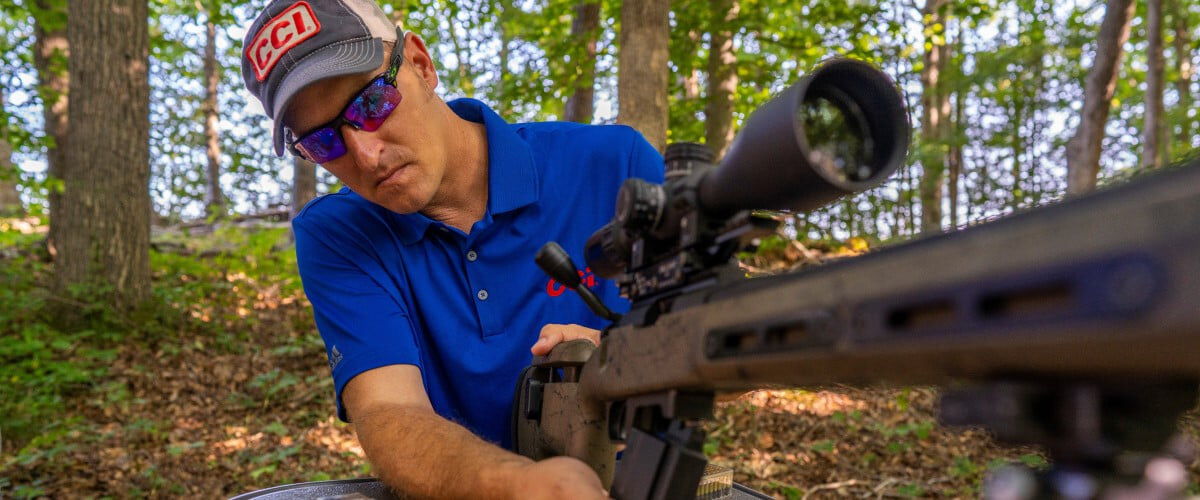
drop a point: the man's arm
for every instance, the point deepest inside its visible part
(423, 455)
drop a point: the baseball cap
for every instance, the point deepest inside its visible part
(294, 43)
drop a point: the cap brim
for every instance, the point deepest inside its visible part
(348, 58)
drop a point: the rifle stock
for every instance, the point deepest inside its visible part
(1102, 287)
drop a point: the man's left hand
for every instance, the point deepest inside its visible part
(553, 335)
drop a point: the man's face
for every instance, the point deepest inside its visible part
(399, 166)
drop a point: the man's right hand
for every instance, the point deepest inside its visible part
(555, 478)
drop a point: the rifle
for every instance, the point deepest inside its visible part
(1076, 326)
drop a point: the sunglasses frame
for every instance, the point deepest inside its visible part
(389, 77)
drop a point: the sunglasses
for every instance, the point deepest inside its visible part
(367, 111)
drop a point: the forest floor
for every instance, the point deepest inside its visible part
(230, 392)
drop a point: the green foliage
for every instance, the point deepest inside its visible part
(39, 366)
(208, 301)
(911, 490)
(1016, 69)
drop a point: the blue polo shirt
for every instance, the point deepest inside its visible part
(390, 288)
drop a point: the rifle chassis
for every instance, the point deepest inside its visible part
(1086, 308)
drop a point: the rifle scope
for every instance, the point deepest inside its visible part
(839, 130)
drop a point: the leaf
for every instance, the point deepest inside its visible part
(262, 470)
(276, 428)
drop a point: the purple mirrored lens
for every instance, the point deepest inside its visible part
(373, 105)
(366, 112)
(322, 145)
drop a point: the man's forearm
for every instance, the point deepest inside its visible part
(423, 455)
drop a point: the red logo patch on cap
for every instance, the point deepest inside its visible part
(280, 34)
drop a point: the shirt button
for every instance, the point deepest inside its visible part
(471, 255)
(482, 295)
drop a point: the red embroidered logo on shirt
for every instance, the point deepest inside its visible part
(586, 278)
(279, 35)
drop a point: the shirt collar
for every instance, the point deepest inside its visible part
(512, 176)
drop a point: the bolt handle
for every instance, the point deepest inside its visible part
(555, 262)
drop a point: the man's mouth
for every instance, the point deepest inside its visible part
(389, 174)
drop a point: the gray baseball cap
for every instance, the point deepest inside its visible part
(294, 43)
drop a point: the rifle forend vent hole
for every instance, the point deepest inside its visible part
(1036, 301)
(922, 316)
(742, 341)
(801, 332)
(786, 335)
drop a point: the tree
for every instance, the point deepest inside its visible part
(1083, 150)
(304, 183)
(584, 31)
(1152, 127)
(215, 199)
(463, 75)
(104, 224)
(642, 76)
(954, 156)
(1183, 66)
(51, 51)
(722, 77)
(10, 200)
(935, 115)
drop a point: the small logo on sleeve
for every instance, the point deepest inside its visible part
(586, 278)
(335, 358)
(279, 35)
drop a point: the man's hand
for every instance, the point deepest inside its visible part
(555, 478)
(553, 335)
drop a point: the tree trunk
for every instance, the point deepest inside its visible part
(1018, 149)
(1083, 150)
(216, 203)
(642, 75)
(722, 77)
(955, 156)
(104, 224)
(304, 183)
(10, 200)
(502, 20)
(689, 79)
(466, 75)
(1152, 131)
(50, 55)
(584, 31)
(398, 14)
(1183, 64)
(935, 115)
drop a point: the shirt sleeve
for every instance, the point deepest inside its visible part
(644, 161)
(363, 326)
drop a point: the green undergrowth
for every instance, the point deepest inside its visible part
(206, 290)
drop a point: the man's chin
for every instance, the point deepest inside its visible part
(403, 206)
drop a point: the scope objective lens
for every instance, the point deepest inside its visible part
(839, 137)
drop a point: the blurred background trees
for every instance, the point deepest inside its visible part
(1014, 103)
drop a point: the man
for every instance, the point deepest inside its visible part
(421, 270)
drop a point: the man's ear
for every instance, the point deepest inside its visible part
(418, 56)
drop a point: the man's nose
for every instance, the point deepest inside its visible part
(366, 148)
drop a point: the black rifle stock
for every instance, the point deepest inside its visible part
(1090, 308)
